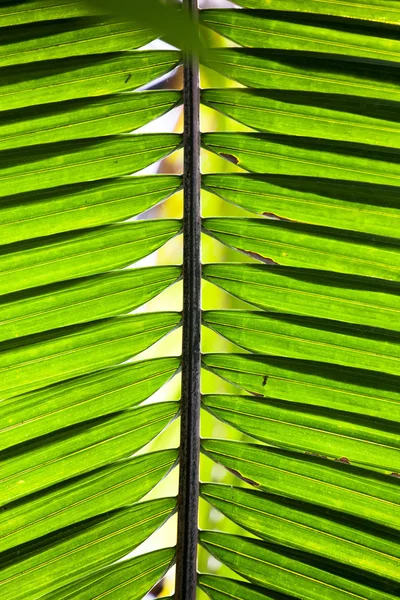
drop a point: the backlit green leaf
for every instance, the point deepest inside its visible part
(82, 77)
(353, 390)
(291, 155)
(135, 577)
(326, 116)
(71, 452)
(296, 244)
(349, 298)
(63, 163)
(79, 550)
(349, 490)
(79, 119)
(83, 398)
(334, 203)
(305, 71)
(324, 432)
(221, 588)
(67, 256)
(45, 212)
(66, 38)
(84, 497)
(317, 339)
(43, 359)
(304, 528)
(385, 11)
(284, 570)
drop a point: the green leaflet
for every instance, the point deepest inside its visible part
(349, 298)
(37, 214)
(80, 399)
(65, 38)
(80, 77)
(342, 204)
(306, 382)
(71, 452)
(63, 163)
(291, 155)
(221, 588)
(95, 493)
(303, 71)
(134, 577)
(304, 528)
(304, 32)
(336, 486)
(323, 432)
(326, 116)
(385, 11)
(68, 255)
(41, 10)
(79, 550)
(297, 244)
(79, 119)
(317, 339)
(82, 300)
(290, 571)
(43, 359)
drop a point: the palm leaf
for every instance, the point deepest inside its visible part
(71, 418)
(314, 509)
(318, 355)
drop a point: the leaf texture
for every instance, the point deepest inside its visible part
(77, 400)
(326, 432)
(79, 206)
(85, 252)
(279, 69)
(279, 26)
(295, 244)
(293, 155)
(95, 493)
(360, 300)
(327, 116)
(339, 204)
(353, 390)
(51, 357)
(80, 77)
(221, 588)
(282, 522)
(283, 570)
(81, 118)
(66, 454)
(363, 494)
(94, 543)
(135, 577)
(385, 11)
(317, 339)
(71, 419)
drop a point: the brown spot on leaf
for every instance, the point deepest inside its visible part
(270, 215)
(395, 475)
(230, 157)
(249, 481)
(315, 454)
(265, 380)
(157, 589)
(343, 459)
(128, 78)
(263, 259)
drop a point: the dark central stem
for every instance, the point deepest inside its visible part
(186, 561)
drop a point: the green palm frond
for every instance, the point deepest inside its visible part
(319, 357)
(309, 379)
(71, 415)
